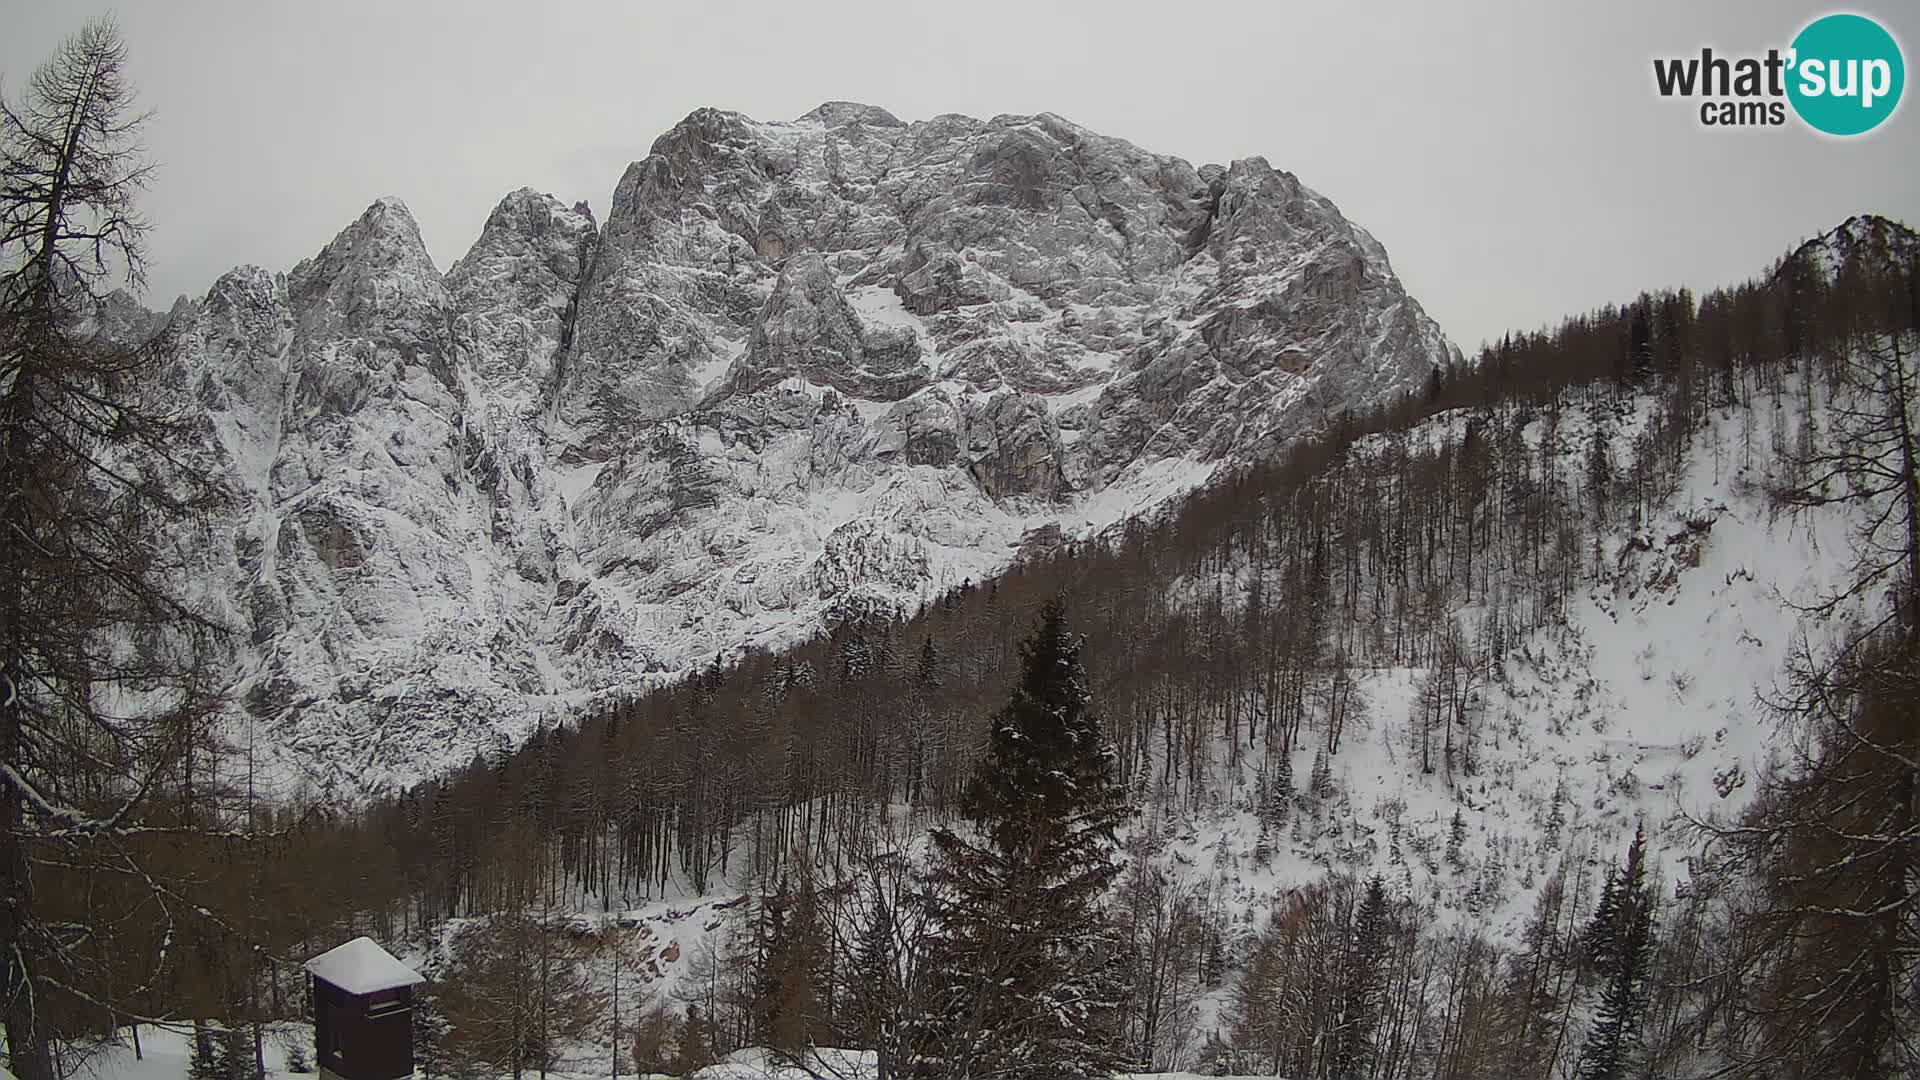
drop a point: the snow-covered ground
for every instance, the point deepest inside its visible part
(1644, 706)
(166, 1050)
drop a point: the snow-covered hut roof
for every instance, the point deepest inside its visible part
(362, 967)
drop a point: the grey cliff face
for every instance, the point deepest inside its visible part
(807, 329)
(803, 369)
(513, 296)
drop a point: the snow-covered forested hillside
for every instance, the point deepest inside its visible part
(1463, 649)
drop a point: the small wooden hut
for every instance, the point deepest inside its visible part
(362, 1013)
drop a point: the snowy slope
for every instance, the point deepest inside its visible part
(1647, 704)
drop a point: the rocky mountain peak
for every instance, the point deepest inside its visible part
(1871, 243)
(513, 294)
(802, 369)
(835, 114)
(367, 263)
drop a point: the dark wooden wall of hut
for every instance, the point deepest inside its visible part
(363, 1037)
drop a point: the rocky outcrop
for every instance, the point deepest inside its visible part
(807, 330)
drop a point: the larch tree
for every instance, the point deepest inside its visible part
(1828, 943)
(105, 663)
(884, 937)
(1024, 980)
(518, 989)
(1871, 460)
(1533, 981)
(1162, 928)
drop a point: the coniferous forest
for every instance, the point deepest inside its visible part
(952, 837)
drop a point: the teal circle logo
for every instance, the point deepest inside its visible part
(1846, 74)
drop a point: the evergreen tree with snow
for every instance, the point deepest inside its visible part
(927, 679)
(1614, 1041)
(1457, 841)
(788, 1011)
(204, 1062)
(1556, 814)
(1598, 937)
(233, 1055)
(1022, 980)
(1599, 472)
(299, 1059)
(1263, 846)
(429, 1033)
(1362, 987)
(1640, 342)
(1534, 984)
(1280, 792)
(1320, 781)
(693, 1044)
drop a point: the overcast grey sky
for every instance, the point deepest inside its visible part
(1513, 157)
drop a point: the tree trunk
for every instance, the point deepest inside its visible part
(27, 1053)
(1909, 483)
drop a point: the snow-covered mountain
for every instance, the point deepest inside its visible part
(803, 368)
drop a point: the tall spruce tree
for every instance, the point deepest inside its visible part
(1603, 926)
(1023, 981)
(1640, 342)
(1623, 955)
(1361, 990)
(872, 983)
(789, 1013)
